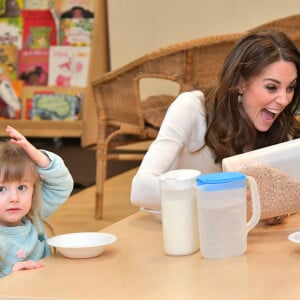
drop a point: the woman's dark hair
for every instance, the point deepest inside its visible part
(229, 130)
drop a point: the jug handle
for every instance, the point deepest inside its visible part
(256, 211)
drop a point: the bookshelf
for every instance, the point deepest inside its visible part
(85, 127)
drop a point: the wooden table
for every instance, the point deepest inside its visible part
(134, 267)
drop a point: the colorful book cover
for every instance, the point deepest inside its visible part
(40, 29)
(11, 31)
(68, 66)
(10, 8)
(75, 8)
(76, 32)
(29, 92)
(8, 61)
(53, 107)
(33, 66)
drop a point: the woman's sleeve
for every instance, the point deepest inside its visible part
(163, 153)
(56, 184)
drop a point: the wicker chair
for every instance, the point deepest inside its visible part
(123, 118)
(290, 25)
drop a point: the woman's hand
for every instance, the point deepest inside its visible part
(27, 265)
(37, 156)
(276, 220)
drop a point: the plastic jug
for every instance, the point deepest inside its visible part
(222, 205)
(179, 211)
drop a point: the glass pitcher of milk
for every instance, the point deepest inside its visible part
(222, 213)
(179, 211)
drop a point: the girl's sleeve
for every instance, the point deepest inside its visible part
(56, 184)
(163, 153)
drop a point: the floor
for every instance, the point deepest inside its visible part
(77, 214)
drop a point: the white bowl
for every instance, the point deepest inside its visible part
(295, 237)
(156, 213)
(81, 244)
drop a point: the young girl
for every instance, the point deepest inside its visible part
(33, 185)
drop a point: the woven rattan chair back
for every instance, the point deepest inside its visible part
(290, 25)
(121, 118)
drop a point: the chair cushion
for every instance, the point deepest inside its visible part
(155, 108)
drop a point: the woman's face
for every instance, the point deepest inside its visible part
(266, 95)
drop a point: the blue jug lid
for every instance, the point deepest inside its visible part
(221, 177)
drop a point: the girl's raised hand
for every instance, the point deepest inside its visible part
(37, 156)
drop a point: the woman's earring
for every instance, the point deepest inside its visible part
(240, 97)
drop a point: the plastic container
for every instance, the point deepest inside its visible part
(223, 226)
(179, 212)
(284, 156)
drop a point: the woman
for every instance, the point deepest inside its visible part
(252, 106)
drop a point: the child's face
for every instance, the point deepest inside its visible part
(15, 201)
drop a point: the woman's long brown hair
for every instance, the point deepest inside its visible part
(229, 130)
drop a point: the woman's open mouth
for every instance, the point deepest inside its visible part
(269, 115)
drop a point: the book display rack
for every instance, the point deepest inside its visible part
(53, 89)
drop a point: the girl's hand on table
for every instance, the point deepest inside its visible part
(276, 220)
(27, 265)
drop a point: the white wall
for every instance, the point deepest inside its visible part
(137, 27)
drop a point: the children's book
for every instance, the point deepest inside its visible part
(33, 66)
(75, 8)
(68, 66)
(8, 61)
(11, 31)
(40, 29)
(10, 8)
(53, 107)
(76, 32)
(37, 103)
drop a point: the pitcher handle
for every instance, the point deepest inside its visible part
(256, 211)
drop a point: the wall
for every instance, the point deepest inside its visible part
(137, 27)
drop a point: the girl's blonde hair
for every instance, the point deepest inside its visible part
(14, 165)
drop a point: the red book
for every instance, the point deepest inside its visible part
(33, 66)
(40, 29)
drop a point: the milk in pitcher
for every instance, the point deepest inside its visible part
(179, 212)
(179, 222)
